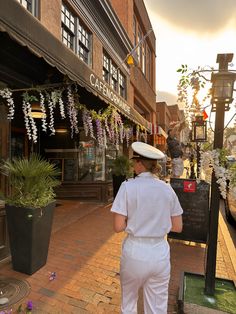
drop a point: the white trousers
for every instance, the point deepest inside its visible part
(145, 262)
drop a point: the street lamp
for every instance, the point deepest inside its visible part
(199, 129)
(199, 134)
(222, 96)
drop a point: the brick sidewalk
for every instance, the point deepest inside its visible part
(84, 252)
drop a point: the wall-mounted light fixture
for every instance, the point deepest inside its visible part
(61, 130)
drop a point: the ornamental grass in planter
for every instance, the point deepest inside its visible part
(29, 210)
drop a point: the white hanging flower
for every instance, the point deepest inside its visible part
(72, 112)
(7, 94)
(43, 109)
(51, 115)
(211, 159)
(26, 109)
(29, 121)
(61, 106)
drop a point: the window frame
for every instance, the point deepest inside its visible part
(81, 36)
(113, 78)
(34, 6)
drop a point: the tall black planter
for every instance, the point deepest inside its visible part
(116, 181)
(29, 234)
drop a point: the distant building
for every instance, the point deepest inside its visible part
(166, 117)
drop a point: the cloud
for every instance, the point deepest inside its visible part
(208, 16)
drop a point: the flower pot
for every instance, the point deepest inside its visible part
(29, 234)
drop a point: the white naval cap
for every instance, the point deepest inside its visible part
(143, 150)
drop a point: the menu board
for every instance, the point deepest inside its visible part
(194, 199)
(58, 165)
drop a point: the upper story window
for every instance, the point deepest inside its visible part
(105, 70)
(122, 85)
(30, 5)
(83, 43)
(67, 27)
(143, 51)
(113, 76)
(74, 35)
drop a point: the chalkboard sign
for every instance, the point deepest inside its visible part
(58, 164)
(70, 170)
(194, 199)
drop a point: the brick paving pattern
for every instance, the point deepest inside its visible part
(84, 252)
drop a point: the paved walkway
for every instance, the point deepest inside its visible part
(84, 252)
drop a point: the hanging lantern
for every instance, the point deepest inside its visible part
(199, 129)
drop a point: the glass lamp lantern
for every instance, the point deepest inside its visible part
(222, 88)
(199, 129)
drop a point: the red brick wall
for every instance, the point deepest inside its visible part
(50, 16)
(124, 10)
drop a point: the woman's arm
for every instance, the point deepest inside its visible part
(119, 222)
(177, 223)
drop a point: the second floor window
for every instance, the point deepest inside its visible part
(122, 85)
(83, 43)
(74, 35)
(68, 27)
(30, 5)
(113, 76)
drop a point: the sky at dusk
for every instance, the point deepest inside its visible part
(190, 32)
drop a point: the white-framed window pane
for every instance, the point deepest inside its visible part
(67, 18)
(122, 85)
(67, 39)
(106, 62)
(29, 5)
(84, 43)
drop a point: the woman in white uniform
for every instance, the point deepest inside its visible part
(147, 209)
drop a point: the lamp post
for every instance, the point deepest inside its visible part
(199, 134)
(222, 92)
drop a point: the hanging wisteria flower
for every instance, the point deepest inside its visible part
(26, 118)
(42, 106)
(85, 121)
(107, 127)
(99, 132)
(72, 112)
(61, 106)
(51, 114)
(90, 125)
(29, 120)
(7, 94)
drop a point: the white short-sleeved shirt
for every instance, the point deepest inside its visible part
(149, 204)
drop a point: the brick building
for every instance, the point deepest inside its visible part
(71, 56)
(165, 116)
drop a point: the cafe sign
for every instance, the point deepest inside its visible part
(103, 89)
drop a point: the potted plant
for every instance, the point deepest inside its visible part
(29, 210)
(121, 170)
